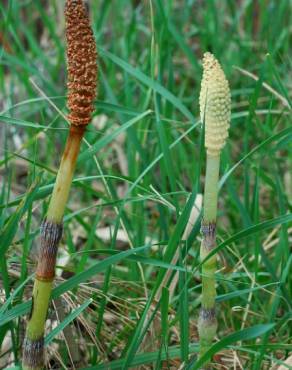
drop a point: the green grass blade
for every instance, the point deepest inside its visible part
(72, 316)
(241, 335)
(135, 72)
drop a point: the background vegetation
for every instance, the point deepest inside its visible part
(137, 178)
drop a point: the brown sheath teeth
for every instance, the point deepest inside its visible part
(208, 231)
(208, 314)
(33, 353)
(51, 234)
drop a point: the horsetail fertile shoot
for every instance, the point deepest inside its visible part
(82, 83)
(215, 113)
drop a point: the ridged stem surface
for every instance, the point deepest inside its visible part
(65, 174)
(207, 325)
(51, 232)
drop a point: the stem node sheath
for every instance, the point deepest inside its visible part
(33, 353)
(51, 234)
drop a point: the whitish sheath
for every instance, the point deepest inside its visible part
(215, 113)
(82, 81)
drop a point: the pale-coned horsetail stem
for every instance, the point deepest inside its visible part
(82, 85)
(215, 111)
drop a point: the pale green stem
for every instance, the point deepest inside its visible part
(211, 188)
(207, 324)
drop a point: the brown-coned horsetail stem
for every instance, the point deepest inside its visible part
(215, 113)
(82, 84)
